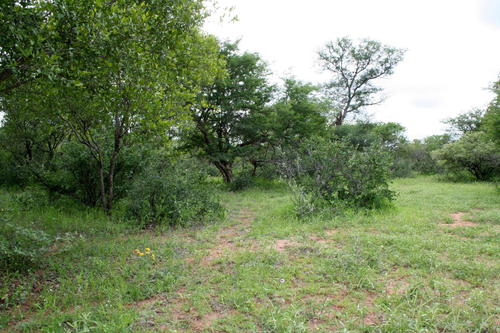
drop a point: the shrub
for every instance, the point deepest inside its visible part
(243, 180)
(474, 153)
(21, 247)
(75, 172)
(172, 193)
(335, 174)
(10, 173)
(402, 167)
(31, 198)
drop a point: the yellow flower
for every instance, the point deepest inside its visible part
(140, 253)
(148, 250)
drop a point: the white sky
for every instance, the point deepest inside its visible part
(453, 48)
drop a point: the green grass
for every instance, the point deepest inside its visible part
(264, 270)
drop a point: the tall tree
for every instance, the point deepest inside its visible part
(465, 123)
(355, 67)
(132, 69)
(296, 114)
(492, 117)
(230, 113)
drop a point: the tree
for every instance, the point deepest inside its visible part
(355, 67)
(465, 123)
(475, 153)
(230, 114)
(31, 138)
(492, 117)
(133, 69)
(298, 114)
(364, 134)
(418, 154)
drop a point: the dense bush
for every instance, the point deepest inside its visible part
(334, 174)
(172, 193)
(21, 247)
(474, 153)
(31, 198)
(390, 136)
(241, 181)
(417, 156)
(78, 171)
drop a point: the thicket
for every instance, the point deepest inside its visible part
(475, 152)
(174, 193)
(334, 174)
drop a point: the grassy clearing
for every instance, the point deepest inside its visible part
(404, 269)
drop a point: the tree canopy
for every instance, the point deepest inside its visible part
(354, 68)
(230, 113)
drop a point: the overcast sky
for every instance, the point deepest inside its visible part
(453, 48)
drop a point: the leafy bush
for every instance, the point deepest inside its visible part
(402, 167)
(31, 198)
(172, 193)
(21, 247)
(10, 173)
(336, 174)
(75, 172)
(474, 153)
(242, 181)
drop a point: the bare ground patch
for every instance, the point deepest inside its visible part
(396, 286)
(331, 232)
(226, 239)
(180, 313)
(372, 318)
(458, 221)
(281, 245)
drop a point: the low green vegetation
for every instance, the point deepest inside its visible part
(416, 266)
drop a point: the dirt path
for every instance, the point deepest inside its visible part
(458, 221)
(227, 241)
(227, 238)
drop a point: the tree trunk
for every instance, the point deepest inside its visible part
(102, 187)
(255, 165)
(225, 168)
(118, 137)
(111, 177)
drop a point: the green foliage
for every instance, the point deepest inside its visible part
(22, 248)
(474, 153)
(173, 193)
(417, 155)
(388, 135)
(31, 198)
(466, 122)
(24, 39)
(354, 68)
(491, 121)
(230, 115)
(241, 181)
(297, 114)
(364, 134)
(121, 73)
(10, 173)
(335, 174)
